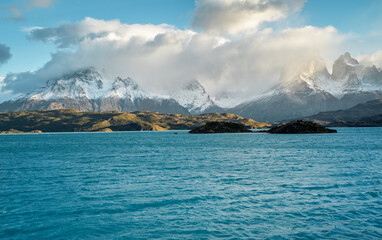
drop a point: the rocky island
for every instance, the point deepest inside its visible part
(221, 127)
(298, 127)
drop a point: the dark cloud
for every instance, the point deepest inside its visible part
(5, 54)
(64, 36)
(20, 82)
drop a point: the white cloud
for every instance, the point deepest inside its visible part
(237, 16)
(92, 29)
(161, 57)
(373, 59)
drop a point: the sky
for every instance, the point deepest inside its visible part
(234, 47)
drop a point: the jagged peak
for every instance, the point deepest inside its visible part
(87, 76)
(84, 73)
(315, 65)
(347, 59)
(125, 82)
(304, 75)
(193, 85)
(346, 66)
(193, 96)
(128, 88)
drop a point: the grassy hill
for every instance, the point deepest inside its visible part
(69, 120)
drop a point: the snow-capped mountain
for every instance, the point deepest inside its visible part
(86, 83)
(195, 99)
(312, 89)
(350, 76)
(88, 90)
(305, 91)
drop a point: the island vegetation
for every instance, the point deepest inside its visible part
(293, 127)
(221, 127)
(298, 127)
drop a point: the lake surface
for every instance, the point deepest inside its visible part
(145, 185)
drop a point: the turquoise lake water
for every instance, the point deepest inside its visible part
(146, 185)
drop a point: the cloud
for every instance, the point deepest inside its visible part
(161, 57)
(15, 13)
(91, 29)
(40, 3)
(373, 59)
(237, 16)
(5, 54)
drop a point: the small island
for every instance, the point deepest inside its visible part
(300, 127)
(221, 127)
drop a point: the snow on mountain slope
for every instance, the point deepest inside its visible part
(302, 91)
(354, 77)
(195, 99)
(86, 83)
(129, 89)
(88, 90)
(308, 77)
(311, 89)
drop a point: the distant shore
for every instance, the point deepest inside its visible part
(69, 120)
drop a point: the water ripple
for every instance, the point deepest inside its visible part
(147, 185)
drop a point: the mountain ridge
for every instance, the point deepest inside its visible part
(193, 96)
(312, 89)
(88, 90)
(303, 91)
(363, 114)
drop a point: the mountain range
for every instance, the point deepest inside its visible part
(309, 90)
(88, 91)
(312, 89)
(367, 114)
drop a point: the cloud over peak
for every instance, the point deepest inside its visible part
(236, 16)
(373, 59)
(162, 57)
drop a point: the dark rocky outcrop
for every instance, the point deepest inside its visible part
(299, 126)
(221, 127)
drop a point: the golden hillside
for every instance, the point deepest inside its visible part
(74, 121)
